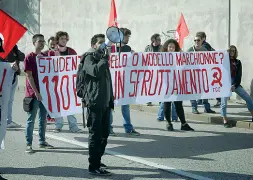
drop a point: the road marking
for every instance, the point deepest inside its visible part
(131, 158)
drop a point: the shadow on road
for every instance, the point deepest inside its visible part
(58, 171)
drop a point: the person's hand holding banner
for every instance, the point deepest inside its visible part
(38, 96)
(233, 88)
(14, 66)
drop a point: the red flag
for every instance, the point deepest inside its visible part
(182, 31)
(10, 32)
(113, 15)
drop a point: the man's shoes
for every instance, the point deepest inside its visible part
(112, 133)
(186, 127)
(49, 119)
(99, 172)
(195, 111)
(103, 166)
(29, 149)
(170, 127)
(1, 178)
(149, 104)
(160, 120)
(57, 130)
(13, 125)
(45, 145)
(133, 133)
(77, 131)
(227, 125)
(217, 104)
(210, 111)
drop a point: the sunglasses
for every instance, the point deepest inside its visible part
(196, 40)
(41, 41)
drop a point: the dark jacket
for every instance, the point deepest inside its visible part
(14, 55)
(207, 46)
(98, 82)
(238, 74)
(149, 48)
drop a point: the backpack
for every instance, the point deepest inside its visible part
(81, 89)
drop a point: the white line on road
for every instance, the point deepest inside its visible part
(131, 158)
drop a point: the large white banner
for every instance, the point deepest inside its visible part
(158, 77)
(138, 78)
(57, 80)
(6, 77)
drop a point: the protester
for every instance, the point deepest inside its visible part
(205, 44)
(4, 98)
(236, 76)
(62, 49)
(99, 101)
(51, 43)
(198, 47)
(208, 47)
(51, 46)
(11, 64)
(172, 45)
(155, 46)
(125, 109)
(33, 96)
(14, 57)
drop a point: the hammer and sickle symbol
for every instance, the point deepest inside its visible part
(217, 75)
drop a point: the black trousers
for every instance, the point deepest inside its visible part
(179, 110)
(98, 123)
(218, 99)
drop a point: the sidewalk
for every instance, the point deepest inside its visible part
(237, 113)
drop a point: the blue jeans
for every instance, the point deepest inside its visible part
(243, 94)
(204, 101)
(71, 120)
(30, 122)
(161, 112)
(126, 119)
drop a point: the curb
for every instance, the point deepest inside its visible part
(209, 119)
(239, 123)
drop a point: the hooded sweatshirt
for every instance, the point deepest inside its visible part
(98, 81)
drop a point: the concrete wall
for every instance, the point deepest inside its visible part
(241, 36)
(27, 13)
(84, 18)
(80, 18)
